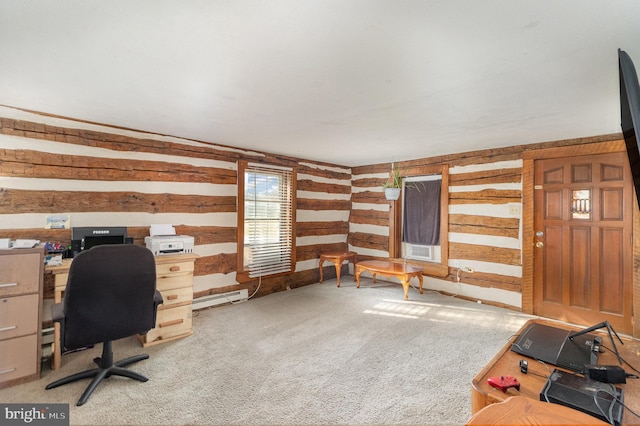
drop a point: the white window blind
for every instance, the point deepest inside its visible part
(268, 219)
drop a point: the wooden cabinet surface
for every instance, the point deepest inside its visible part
(20, 309)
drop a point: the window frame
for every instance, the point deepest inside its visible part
(242, 274)
(438, 269)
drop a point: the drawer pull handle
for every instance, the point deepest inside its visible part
(170, 323)
(172, 297)
(175, 268)
(10, 327)
(9, 285)
(8, 370)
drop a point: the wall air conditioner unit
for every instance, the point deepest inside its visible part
(418, 252)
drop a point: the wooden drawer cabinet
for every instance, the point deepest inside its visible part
(176, 297)
(17, 316)
(19, 271)
(20, 360)
(20, 308)
(170, 324)
(174, 280)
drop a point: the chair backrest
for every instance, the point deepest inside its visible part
(109, 295)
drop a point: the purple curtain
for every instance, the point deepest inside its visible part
(421, 213)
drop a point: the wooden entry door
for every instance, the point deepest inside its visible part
(583, 267)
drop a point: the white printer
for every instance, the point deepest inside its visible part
(162, 240)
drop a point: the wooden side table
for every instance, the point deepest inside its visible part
(337, 257)
(388, 268)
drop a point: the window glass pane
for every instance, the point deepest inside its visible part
(581, 204)
(267, 220)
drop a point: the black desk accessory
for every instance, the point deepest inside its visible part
(609, 330)
(601, 400)
(606, 373)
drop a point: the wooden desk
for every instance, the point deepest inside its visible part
(337, 257)
(387, 268)
(520, 410)
(506, 363)
(174, 280)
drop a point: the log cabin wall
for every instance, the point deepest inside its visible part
(105, 176)
(485, 204)
(485, 219)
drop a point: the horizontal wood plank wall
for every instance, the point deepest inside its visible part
(484, 219)
(485, 214)
(118, 177)
(369, 219)
(103, 176)
(485, 205)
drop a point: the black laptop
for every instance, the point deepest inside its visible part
(552, 345)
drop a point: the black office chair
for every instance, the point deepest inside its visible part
(110, 294)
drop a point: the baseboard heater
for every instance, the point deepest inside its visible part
(218, 299)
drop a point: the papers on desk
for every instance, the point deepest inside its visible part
(25, 243)
(161, 229)
(54, 260)
(6, 243)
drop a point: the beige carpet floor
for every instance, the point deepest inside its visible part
(313, 355)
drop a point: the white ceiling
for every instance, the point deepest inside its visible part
(349, 82)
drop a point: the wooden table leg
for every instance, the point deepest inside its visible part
(357, 271)
(60, 282)
(320, 266)
(353, 259)
(56, 352)
(338, 264)
(405, 286)
(420, 279)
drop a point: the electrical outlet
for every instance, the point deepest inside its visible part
(469, 269)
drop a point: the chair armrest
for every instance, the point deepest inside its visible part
(157, 298)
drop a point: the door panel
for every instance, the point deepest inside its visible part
(611, 296)
(579, 283)
(552, 253)
(583, 252)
